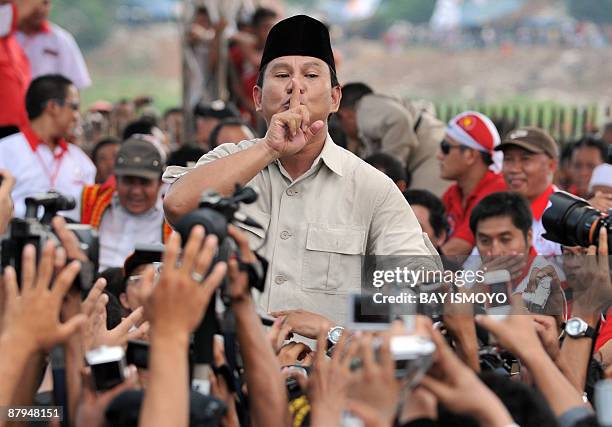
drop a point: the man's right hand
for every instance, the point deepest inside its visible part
(291, 130)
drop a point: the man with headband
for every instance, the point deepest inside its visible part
(322, 207)
(467, 156)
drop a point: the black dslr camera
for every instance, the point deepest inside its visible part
(215, 213)
(35, 231)
(571, 221)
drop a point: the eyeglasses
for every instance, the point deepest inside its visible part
(446, 147)
(74, 105)
(136, 279)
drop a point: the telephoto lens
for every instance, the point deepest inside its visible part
(571, 221)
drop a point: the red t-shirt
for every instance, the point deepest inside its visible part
(15, 76)
(459, 215)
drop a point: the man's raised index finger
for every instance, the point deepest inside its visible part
(294, 101)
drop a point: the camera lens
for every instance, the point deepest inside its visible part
(571, 221)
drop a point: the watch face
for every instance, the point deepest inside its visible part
(335, 334)
(573, 327)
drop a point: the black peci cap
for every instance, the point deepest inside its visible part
(299, 35)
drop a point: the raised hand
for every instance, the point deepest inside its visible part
(375, 383)
(32, 311)
(178, 286)
(460, 390)
(329, 381)
(291, 130)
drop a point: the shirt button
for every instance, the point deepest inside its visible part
(291, 192)
(280, 279)
(285, 235)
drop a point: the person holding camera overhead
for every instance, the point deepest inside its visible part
(320, 206)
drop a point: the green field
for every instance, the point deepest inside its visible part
(167, 93)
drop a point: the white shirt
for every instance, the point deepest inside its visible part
(541, 245)
(38, 171)
(54, 51)
(6, 19)
(120, 231)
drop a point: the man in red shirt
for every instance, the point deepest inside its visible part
(15, 72)
(246, 56)
(465, 156)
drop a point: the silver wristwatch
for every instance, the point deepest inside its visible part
(578, 328)
(333, 336)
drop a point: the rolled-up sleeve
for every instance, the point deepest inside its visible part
(172, 173)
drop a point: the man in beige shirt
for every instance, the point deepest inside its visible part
(380, 123)
(321, 207)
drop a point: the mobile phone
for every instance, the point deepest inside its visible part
(108, 366)
(137, 354)
(499, 302)
(365, 315)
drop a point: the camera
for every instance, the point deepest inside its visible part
(413, 355)
(137, 354)
(571, 221)
(215, 213)
(365, 315)
(35, 231)
(108, 366)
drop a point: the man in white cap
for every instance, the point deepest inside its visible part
(466, 156)
(600, 187)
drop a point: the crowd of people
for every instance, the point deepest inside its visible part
(267, 334)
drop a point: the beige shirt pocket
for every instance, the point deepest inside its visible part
(333, 257)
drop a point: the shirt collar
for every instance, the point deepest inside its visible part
(539, 204)
(45, 27)
(484, 181)
(530, 258)
(331, 155)
(34, 141)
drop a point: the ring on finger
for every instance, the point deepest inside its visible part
(197, 277)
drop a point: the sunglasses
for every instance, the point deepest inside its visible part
(446, 147)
